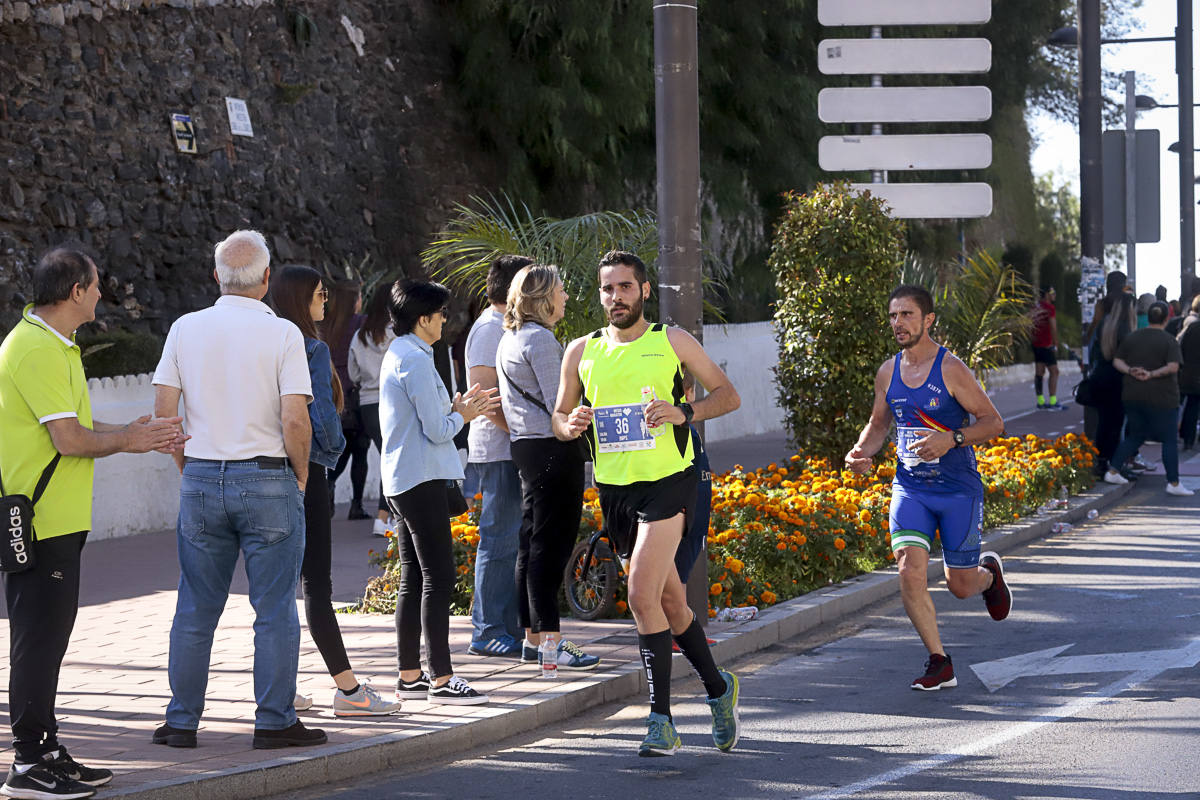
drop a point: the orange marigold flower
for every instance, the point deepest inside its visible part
(839, 543)
(716, 589)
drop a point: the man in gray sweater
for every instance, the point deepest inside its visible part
(491, 473)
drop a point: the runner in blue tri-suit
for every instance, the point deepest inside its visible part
(931, 396)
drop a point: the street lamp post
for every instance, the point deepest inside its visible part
(1187, 188)
(1087, 38)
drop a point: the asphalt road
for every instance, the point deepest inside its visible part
(1094, 697)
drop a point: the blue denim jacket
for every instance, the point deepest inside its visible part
(415, 418)
(328, 441)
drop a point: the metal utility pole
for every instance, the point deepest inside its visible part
(677, 131)
(1187, 188)
(1131, 176)
(1091, 179)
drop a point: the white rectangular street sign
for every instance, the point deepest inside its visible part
(904, 12)
(921, 151)
(905, 104)
(904, 56)
(932, 200)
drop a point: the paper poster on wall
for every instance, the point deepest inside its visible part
(239, 117)
(184, 131)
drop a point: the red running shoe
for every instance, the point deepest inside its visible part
(939, 674)
(999, 597)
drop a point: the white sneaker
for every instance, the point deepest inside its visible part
(302, 703)
(1179, 490)
(1114, 477)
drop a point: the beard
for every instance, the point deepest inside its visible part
(632, 315)
(913, 340)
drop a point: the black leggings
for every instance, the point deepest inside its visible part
(355, 454)
(316, 573)
(551, 507)
(370, 420)
(42, 604)
(427, 576)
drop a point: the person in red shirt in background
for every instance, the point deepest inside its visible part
(1045, 349)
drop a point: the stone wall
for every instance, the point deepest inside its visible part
(357, 149)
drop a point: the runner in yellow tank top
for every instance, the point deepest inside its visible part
(647, 485)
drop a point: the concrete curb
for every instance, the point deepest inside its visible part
(312, 767)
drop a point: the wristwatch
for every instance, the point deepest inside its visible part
(688, 412)
(959, 439)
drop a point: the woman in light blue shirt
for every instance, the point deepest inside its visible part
(418, 421)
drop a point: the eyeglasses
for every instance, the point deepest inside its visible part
(324, 293)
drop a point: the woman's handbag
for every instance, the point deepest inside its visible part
(1086, 393)
(351, 419)
(455, 502)
(17, 554)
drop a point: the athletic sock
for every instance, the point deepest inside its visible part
(694, 646)
(349, 692)
(656, 658)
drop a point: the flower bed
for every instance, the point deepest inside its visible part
(787, 529)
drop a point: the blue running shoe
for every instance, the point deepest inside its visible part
(725, 714)
(503, 646)
(571, 657)
(661, 739)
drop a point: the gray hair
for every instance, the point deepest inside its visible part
(241, 260)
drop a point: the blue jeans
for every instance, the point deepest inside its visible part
(226, 508)
(1147, 422)
(494, 612)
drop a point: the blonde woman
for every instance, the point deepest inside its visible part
(551, 471)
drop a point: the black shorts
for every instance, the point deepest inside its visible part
(625, 507)
(1045, 355)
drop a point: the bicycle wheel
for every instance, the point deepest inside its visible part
(592, 588)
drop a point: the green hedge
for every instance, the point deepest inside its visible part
(119, 352)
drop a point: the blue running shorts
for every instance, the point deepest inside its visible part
(958, 517)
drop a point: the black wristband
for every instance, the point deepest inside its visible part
(688, 412)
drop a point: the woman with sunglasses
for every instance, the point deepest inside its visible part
(419, 420)
(298, 296)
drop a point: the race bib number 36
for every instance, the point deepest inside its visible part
(620, 429)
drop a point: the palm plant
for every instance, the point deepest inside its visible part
(493, 226)
(982, 307)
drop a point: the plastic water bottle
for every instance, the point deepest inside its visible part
(737, 614)
(1061, 527)
(548, 657)
(1093, 514)
(649, 397)
(1063, 498)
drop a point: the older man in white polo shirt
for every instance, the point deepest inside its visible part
(242, 376)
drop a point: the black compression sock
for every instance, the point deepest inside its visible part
(656, 658)
(694, 645)
(1037, 385)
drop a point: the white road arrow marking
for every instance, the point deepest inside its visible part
(1003, 671)
(1145, 672)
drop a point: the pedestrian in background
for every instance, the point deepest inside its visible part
(49, 439)
(1119, 322)
(528, 362)
(1189, 376)
(367, 350)
(419, 421)
(1045, 349)
(242, 377)
(491, 473)
(342, 320)
(299, 297)
(1149, 359)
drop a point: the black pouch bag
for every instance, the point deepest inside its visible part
(17, 554)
